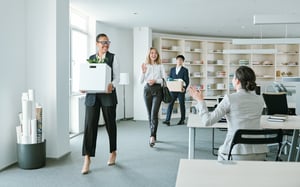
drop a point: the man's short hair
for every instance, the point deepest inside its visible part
(100, 35)
(180, 56)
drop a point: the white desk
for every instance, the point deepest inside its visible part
(292, 123)
(198, 173)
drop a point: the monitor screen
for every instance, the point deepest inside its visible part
(292, 85)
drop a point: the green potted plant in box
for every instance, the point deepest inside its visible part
(97, 60)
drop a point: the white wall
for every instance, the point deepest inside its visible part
(122, 46)
(12, 75)
(34, 52)
(142, 43)
(47, 52)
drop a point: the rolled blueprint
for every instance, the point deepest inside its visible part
(33, 125)
(25, 139)
(39, 118)
(24, 96)
(31, 97)
(19, 133)
(26, 117)
(20, 118)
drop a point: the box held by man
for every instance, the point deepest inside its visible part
(94, 78)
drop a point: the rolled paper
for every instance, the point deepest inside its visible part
(24, 96)
(31, 97)
(19, 133)
(39, 118)
(33, 125)
(26, 117)
(25, 139)
(20, 118)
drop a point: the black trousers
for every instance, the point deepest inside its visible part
(92, 114)
(181, 98)
(153, 98)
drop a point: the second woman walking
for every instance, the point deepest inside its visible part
(152, 74)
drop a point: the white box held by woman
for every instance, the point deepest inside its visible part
(94, 78)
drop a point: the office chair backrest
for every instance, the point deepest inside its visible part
(276, 103)
(271, 136)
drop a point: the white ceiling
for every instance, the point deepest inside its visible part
(223, 18)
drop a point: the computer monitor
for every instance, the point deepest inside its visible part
(292, 85)
(276, 103)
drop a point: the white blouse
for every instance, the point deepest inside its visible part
(153, 72)
(242, 111)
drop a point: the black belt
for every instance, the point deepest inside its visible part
(156, 84)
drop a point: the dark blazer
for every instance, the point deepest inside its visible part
(182, 74)
(105, 98)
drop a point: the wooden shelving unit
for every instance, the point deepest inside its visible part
(212, 71)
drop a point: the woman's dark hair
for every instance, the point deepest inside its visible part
(247, 78)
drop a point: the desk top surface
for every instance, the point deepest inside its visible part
(195, 173)
(292, 122)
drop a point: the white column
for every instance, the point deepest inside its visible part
(142, 41)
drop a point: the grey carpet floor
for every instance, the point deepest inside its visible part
(137, 164)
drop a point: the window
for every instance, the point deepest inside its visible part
(79, 46)
(79, 21)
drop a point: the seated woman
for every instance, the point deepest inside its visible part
(242, 109)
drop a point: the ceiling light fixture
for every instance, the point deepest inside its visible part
(276, 19)
(268, 20)
(249, 51)
(266, 41)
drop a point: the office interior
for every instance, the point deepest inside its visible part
(37, 54)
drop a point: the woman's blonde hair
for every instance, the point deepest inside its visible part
(157, 60)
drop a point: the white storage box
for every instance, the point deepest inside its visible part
(175, 86)
(94, 78)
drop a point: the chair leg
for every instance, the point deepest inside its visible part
(297, 156)
(286, 143)
(298, 152)
(213, 148)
